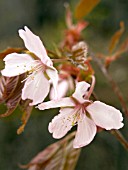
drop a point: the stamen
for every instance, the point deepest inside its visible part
(36, 68)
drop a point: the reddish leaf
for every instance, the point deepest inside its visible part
(73, 33)
(68, 17)
(10, 50)
(123, 46)
(7, 86)
(26, 109)
(58, 156)
(116, 37)
(122, 49)
(14, 97)
(84, 7)
(2, 88)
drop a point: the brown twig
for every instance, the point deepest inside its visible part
(120, 138)
(60, 60)
(112, 83)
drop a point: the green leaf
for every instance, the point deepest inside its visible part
(84, 7)
(58, 156)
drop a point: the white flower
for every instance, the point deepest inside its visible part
(78, 109)
(65, 84)
(39, 71)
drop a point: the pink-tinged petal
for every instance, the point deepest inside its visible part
(105, 116)
(33, 167)
(16, 64)
(62, 123)
(86, 131)
(62, 89)
(53, 75)
(63, 102)
(35, 45)
(81, 90)
(36, 88)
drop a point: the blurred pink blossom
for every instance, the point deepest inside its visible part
(65, 84)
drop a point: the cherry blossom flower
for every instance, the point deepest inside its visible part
(62, 89)
(65, 84)
(40, 70)
(87, 115)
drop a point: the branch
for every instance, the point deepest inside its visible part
(120, 138)
(112, 83)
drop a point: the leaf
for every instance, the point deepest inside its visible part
(7, 86)
(116, 37)
(68, 17)
(10, 50)
(84, 7)
(2, 88)
(26, 109)
(122, 49)
(14, 96)
(58, 156)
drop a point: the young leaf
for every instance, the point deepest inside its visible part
(7, 86)
(116, 37)
(119, 53)
(14, 95)
(68, 17)
(2, 88)
(84, 7)
(123, 47)
(26, 109)
(10, 50)
(58, 156)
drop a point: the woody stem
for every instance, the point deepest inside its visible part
(60, 60)
(113, 84)
(120, 138)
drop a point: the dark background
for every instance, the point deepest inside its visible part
(46, 19)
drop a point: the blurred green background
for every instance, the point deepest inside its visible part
(46, 18)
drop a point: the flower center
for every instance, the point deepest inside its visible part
(36, 66)
(81, 109)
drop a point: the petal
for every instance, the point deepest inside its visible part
(36, 88)
(16, 64)
(105, 116)
(35, 45)
(64, 84)
(81, 90)
(53, 75)
(61, 123)
(63, 102)
(86, 131)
